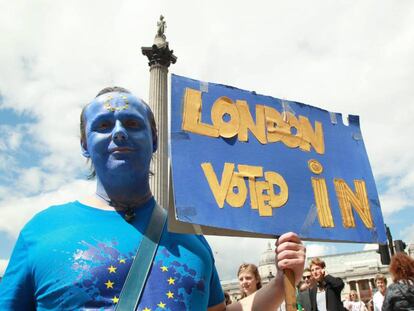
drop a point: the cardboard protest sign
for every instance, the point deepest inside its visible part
(250, 165)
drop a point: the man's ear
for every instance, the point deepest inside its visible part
(84, 149)
(154, 143)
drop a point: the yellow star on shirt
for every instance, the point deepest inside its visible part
(115, 299)
(122, 261)
(112, 269)
(164, 269)
(171, 281)
(161, 305)
(109, 284)
(146, 309)
(170, 295)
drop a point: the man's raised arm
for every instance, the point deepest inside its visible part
(290, 254)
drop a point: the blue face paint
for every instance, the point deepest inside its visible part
(119, 143)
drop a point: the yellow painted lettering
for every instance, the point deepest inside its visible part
(276, 127)
(262, 197)
(238, 197)
(311, 137)
(247, 123)
(231, 119)
(222, 108)
(218, 189)
(348, 199)
(322, 203)
(192, 115)
(280, 199)
(251, 172)
(292, 140)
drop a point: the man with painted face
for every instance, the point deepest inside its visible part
(77, 255)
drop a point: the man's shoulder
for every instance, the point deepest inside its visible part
(199, 239)
(56, 209)
(50, 214)
(188, 240)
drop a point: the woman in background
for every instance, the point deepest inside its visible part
(353, 303)
(400, 294)
(249, 279)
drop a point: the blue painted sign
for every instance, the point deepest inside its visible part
(253, 163)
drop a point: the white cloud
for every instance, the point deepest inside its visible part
(11, 137)
(30, 180)
(407, 234)
(231, 252)
(316, 250)
(16, 211)
(394, 201)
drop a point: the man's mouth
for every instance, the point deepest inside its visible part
(121, 149)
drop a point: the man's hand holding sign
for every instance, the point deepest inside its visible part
(260, 166)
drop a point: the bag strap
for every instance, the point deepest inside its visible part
(138, 273)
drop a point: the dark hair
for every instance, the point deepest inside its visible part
(402, 267)
(119, 89)
(227, 298)
(249, 267)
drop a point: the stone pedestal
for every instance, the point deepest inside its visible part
(160, 57)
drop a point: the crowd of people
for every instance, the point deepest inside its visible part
(320, 291)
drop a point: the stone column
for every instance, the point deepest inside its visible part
(160, 57)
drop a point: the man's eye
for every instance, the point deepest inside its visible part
(104, 125)
(132, 124)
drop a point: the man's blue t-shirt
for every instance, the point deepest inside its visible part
(73, 256)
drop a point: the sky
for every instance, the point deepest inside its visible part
(348, 56)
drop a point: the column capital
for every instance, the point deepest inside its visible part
(159, 55)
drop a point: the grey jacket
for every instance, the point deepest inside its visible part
(399, 297)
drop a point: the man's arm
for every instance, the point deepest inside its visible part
(16, 287)
(335, 283)
(290, 254)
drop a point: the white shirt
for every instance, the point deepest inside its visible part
(378, 300)
(354, 305)
(321, 300)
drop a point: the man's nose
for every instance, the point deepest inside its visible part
(119, 133)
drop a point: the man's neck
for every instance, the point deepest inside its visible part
(98, 202)
(123, 193)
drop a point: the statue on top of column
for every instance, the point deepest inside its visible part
(161, 27)
(159, 53)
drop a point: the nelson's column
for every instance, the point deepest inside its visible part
(160, 58)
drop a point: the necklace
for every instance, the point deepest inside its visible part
(129, 208)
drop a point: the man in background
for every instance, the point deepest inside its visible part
(326, 295)
(381, 284)
(303, 296)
